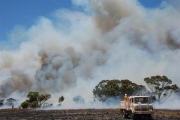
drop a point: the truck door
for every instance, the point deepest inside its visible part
(131, 103)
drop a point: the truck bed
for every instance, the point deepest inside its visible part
(123, 104)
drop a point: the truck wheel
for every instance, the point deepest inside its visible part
(150, 117)
(124, 114)
(134, 117)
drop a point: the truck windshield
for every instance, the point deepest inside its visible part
(143, 100)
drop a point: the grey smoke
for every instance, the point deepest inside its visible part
(120, 39)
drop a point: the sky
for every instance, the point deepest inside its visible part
(26, 12)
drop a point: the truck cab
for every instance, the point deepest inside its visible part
(136, 107)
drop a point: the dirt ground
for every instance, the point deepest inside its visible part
(79, 114)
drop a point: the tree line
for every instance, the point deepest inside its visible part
(111, 91)
(36, 100)
(161, 88)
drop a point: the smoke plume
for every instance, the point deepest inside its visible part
(73, 51)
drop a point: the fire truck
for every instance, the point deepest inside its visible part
(137, 107)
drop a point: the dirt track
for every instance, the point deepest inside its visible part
(82, 114)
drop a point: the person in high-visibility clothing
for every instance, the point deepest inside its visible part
(125, 97)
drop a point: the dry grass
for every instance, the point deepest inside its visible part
(79, 114)
(167, 114)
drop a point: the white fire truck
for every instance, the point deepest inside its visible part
(137, 107)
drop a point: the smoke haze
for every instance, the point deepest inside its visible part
(70, 53)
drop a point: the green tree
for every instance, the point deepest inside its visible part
(34, 104)
(33, 96)
(25, 104)
(61, 99)
(128, 87)
(106, 89)
(115, 89)
(35, 100)
(1, 102)
(160, 87)
(42, 98)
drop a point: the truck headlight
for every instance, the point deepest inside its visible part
(150, 109)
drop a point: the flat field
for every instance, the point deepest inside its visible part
(79, 114)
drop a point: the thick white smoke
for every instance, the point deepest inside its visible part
(73, 51)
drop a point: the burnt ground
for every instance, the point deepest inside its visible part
(79, 114)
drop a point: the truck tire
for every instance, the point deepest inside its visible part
(134, 117)
(124, 114)
(150, 117)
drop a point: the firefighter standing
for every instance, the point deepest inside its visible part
(126, 97)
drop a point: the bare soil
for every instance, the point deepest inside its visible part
(78, 114)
